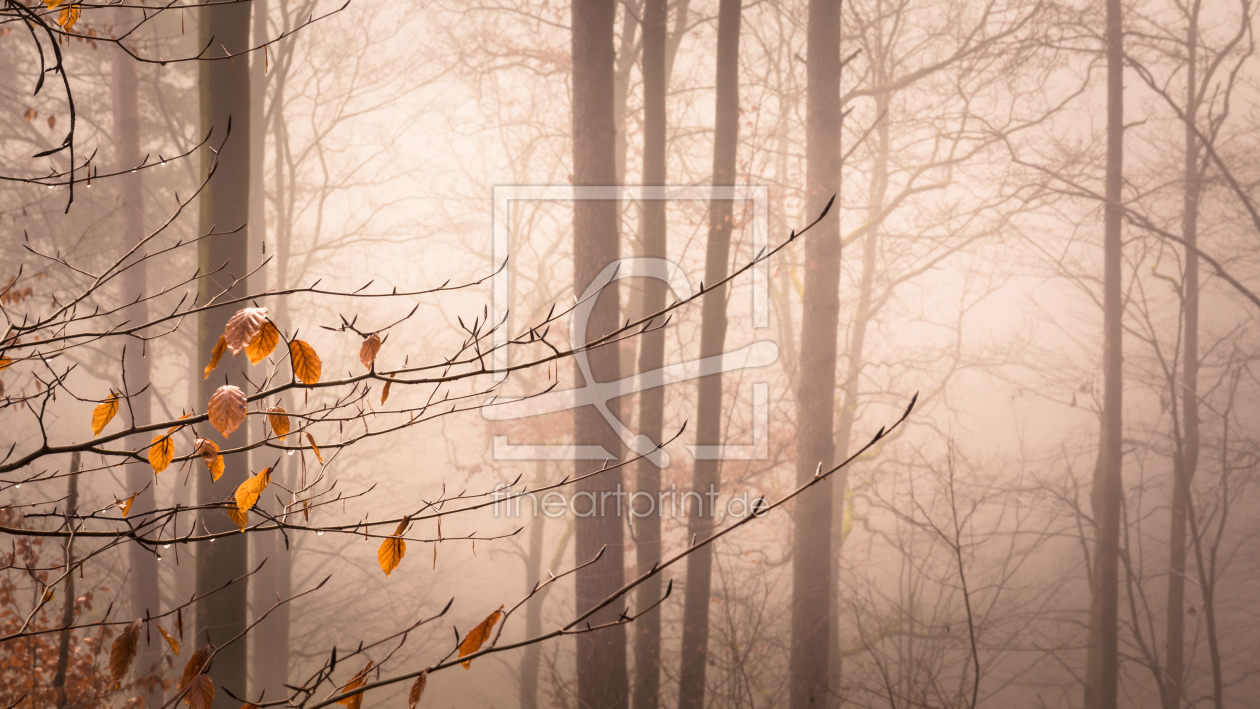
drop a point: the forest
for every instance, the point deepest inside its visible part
(900, 354)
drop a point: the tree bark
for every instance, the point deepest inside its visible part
(67, 602)
(224, 88)
(815, 443)
(603, 682)
(1102, 676)
(647, 627)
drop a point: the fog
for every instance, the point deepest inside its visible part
(764, 354)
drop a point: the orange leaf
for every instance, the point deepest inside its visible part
(227, 409)
(125, 505)
(4, 362)
(238, 516)
(200, 693)
(123, 652)
(104, 413)
(306, 364)
(66, 18)
(478, 635)
(209, 452)
(367, 351)
(385, 392)
(161, 453)
(279, 420)
(242, 328)
(314, 447)
(263, 344)
(216, 468)
(392, 549)
(356, 682)
(169, 640)
(417, 690)
(215, 354)
(247, 492)
(52, 4)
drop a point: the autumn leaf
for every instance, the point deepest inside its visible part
(215, 354)
(104, 413)
(263, 344)
(123, 652)
(67, 17)
(52, 4)
(314, 447)
(367, 351)
(306, 364)
(279, 420)
(356, 682)
(30, 114)
(242, 327)
(217, 466)
(125, 505)
(227, 409)
(4, 362)
(392, 549)
(247, 492)
(196, 665)
(385, 392)
(238, 516)
(200, 693)
(161, 453)
(208, 450)
(169, 640)
(52, 122)
(478, 635)
(417, 690)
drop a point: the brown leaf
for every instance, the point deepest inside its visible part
(161, 453)
(169, 640)
(306, 364)
(357, 681)
(123, 652)
(30, 113)
(209, 452)
(196, 665)
(200, 693)
(392, 549)
(263, 344)
(104, 413)
(52, 120)
(385, 392)
(279, 420)
(238, 516)
(367, 351)
(242, 328)
(478, 635)
(215, 354)
(314, 447)
(247, 492)
(417, 690)
(227, 409)
(125, 505)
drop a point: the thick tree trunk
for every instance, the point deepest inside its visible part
(531, 661)
(142, 578)
(603, 682)
(224, 89)
(815, 445)
(1102, 676)
(67, 601)
(647, 627)
(705, 480)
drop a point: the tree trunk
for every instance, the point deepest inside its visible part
(142, 578)
(531, 662)
(705, 480)
(815, 445)
(603, 682)
(67, 601)
(647, 524)
(1102, 676)
(224, 89)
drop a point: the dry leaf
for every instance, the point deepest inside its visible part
(215, 354)
(200, 693)
(125, 505)
(207, 449)
(67, 17)
(196, 665)
(385, 392)
(242, 328)
(478, 635)
(306, 364)
(217, 466)
(227, 409)
(176, 427)
(392, 549)
(247, 492)
(104, 413)
(357, 681)
(279, 420)
(314, 447)
(169, 640)
(52, 4)
(417, 690)
(367, 351)
(238, 516)
(123, 652)
(4, 362)
(52, 120)
(161, 453)
(263, 344)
